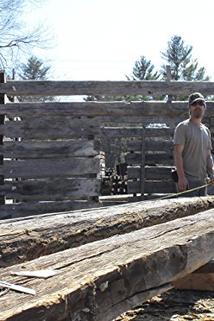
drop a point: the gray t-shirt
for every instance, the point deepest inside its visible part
(197, 142)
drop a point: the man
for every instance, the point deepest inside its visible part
(192, 149)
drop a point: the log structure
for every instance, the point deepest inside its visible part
(51, 151)
(27, 238)
(99, 280)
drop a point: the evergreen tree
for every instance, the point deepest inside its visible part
(143, 70)
(178, 56)
(34, 69)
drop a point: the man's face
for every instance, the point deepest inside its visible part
(197, 109)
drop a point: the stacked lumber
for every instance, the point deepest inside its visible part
(99, 280)
(115, 258)
(27, 238)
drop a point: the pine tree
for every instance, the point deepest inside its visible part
(143, 70)
(178, 56)
(34, 69)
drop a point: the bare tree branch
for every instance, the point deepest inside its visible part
(13, 34)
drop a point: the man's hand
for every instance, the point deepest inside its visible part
(182, 184)
(211, 180)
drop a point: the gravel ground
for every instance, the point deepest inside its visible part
(174, 305)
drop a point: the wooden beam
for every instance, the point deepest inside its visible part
(151, 172)
(48, 129)
(112, 109)
(157, 187)
(39, 168)
(148, 87)
(29, 208)
(27, 238)
(100, 280)
(55, 189)
(50, 149)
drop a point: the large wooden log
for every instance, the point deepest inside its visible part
(157, 187)
(55, 189)
(100, 280)
(29, 208)
(151, 172)
(39, 168)
(26, 131)
(150, 145)
(150, 158)
(49, 149)
(148, 87)
(113, 109)
(27, 238)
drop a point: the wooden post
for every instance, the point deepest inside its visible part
(2, 101)
(168, 79)
(142, 174)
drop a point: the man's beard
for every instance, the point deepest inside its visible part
(198, 113)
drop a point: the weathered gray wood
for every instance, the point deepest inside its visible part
(123, 132)
(151, 145)
(100, 280)
(48, 129)
(150, 159)
(129, 132)
(39, 168)
(151, 172)
(2, 118)
(51, 189)
(26, 209)
(146, 87)
(50, 149)
(26, 238)
(142, 165)
(113, 109)
(152, 187)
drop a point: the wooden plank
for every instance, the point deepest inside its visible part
(2, 119)
(146, 87)
(39, 168)
(123, 132)
(150, 145)
(100, 280)
(150, 159)
(50, 149)
(51, 189)
(142, 165)
(152, 187)
(174, 110)
(128, 132)
(27, 209)
(151, 172)
(27, 238)
(47, 129)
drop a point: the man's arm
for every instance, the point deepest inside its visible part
(210, 165)
(182, 181)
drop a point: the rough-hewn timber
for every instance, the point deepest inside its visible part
(100, 280)
(30, 237)
(148, 87)
(112, 109)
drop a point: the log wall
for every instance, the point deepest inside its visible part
(50, 150)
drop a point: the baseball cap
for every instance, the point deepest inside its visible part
(196, 97)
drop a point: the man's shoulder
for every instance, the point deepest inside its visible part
(183, 124)
(205, 127)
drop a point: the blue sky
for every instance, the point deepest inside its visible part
(101, 39)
